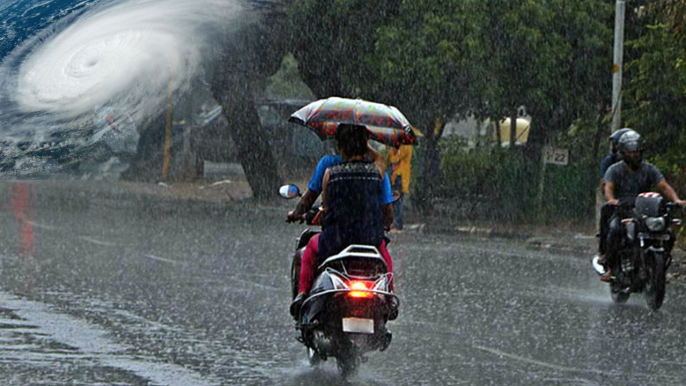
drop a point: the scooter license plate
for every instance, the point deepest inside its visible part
(358, 325)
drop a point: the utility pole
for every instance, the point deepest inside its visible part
(167, 128)
(617, 65)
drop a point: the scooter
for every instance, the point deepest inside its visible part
(346, 311)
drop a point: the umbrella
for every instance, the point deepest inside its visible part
(386, 124)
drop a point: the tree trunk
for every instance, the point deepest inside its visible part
(146, 164)
(252, 146)
(537, 135)
(601, 129)
(513, 129)
(248, 57)
(429, 170)
(322, 86)
(594, 166)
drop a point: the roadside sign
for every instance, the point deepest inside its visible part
(555, 156)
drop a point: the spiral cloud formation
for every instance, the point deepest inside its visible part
(123, 55)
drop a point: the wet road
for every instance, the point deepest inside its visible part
(103, 291)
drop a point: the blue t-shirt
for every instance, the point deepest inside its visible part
(330, 160)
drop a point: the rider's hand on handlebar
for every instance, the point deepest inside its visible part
(293, 217)
(681, 203)
(614, 201)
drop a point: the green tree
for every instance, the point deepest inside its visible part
(286, 83)
(438, 59)
(672, 13)
(330, 39)
(248, 57)
(427, 61)
(655, 95)
(551, 56)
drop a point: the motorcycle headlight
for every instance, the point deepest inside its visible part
(655, 223)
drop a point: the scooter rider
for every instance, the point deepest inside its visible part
(624, 181)
(357, 204)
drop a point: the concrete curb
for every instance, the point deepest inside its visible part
(562, 248)
(466, 230)
(582, 246)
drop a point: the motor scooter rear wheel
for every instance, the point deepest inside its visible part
(314, 357)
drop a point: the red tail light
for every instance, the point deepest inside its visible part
(360, 289)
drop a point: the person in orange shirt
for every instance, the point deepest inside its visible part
(400, 160)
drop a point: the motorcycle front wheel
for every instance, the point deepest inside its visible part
(656, 282)
(618, 295)
(618, 291)
(295, 274)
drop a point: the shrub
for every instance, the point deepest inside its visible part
(507, 181)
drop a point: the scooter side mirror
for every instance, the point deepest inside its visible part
(289, 191)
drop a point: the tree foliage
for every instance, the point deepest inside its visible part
(438, 59)
(551, 56)
(330, 39)
(655, 95)
(428, 62)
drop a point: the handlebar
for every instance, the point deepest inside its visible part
(670, 206)
(311, 217)
(625, 206)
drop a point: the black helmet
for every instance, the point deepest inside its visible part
(614, 138)
(631, 141)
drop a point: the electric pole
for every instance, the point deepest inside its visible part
(617, 65)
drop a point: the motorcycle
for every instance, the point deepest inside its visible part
(349, 304)
(644, 254)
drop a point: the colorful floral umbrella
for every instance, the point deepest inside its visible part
(386, 124)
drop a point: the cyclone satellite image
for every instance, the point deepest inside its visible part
(79, 79)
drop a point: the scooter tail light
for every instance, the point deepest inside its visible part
(338, 283)
(360, 289)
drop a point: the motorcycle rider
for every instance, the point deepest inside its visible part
(613, 157)
(607, 210)
(624, 181)
(357, 204)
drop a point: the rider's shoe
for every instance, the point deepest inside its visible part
(297, 303)
(607, 276)
(602, 260)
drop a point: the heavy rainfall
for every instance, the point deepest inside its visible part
(498, 186)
